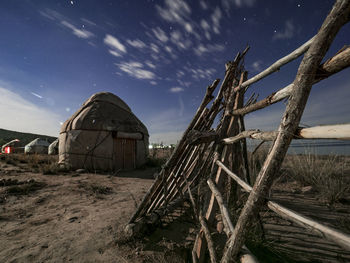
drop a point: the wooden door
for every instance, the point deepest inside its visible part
(124, 153)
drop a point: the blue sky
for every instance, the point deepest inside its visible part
(158, 56)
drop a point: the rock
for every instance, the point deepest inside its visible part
(129, 230)
(80, 171)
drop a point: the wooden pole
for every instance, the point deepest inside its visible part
(329, 233)
(338, 132)
(277, 65)
(335, 64)
(338, 16)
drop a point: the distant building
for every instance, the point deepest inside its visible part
(38, 146)
(53, 148)
(12, 147)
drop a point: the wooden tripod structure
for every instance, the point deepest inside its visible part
(219, 156)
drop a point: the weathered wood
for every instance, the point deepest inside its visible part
(178, 149)
(329, 233)
(277, 65)
(197, 137)
(332, 66)
(338, 131)
(223, 207)
(338, 16)
(316, 228)
(220, 151)
(210, 243)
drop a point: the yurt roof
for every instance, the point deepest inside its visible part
(54, 143)
(38, 141)
(104, 111)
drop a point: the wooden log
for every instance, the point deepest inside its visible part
(210, 243)
(223, 208)
(247, 255)
(337, 131)
(314, 227)
(335, 64)
(340, 132)
(277, 65)
(224, 129)
(196, 137)
(220, 150)
(157, 196)
(338, 16)
(178, 149)
(343, 240)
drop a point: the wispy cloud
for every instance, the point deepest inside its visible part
(287, 33)
(81, 33)
(116, 46)
(52, 14)
(154, 48)
(64, 21)
(137, 43)
(178, 40)
(238, 3)
(22, 115)
(202, 49)
(87, 21)
(200, 73)
(135, 69)
(160, 34)
(176, 11)
(37, 95)
(215, 18)
(257, 65)
(205, 26)
(203, 4)
(176, 89)
(150, 64)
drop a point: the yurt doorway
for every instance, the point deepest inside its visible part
(124, 153)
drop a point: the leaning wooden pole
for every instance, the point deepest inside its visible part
(338, 16)
(178, 150)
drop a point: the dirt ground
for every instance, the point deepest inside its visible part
(75, 217)
(80, 217)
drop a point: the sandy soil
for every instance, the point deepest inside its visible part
(74, 217)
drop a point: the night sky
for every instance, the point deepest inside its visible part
(158, 56)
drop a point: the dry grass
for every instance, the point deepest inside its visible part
(329, 174)
(46, 164)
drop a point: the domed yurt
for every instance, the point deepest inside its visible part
(38, 146)
(53, 148)
(103, 135)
